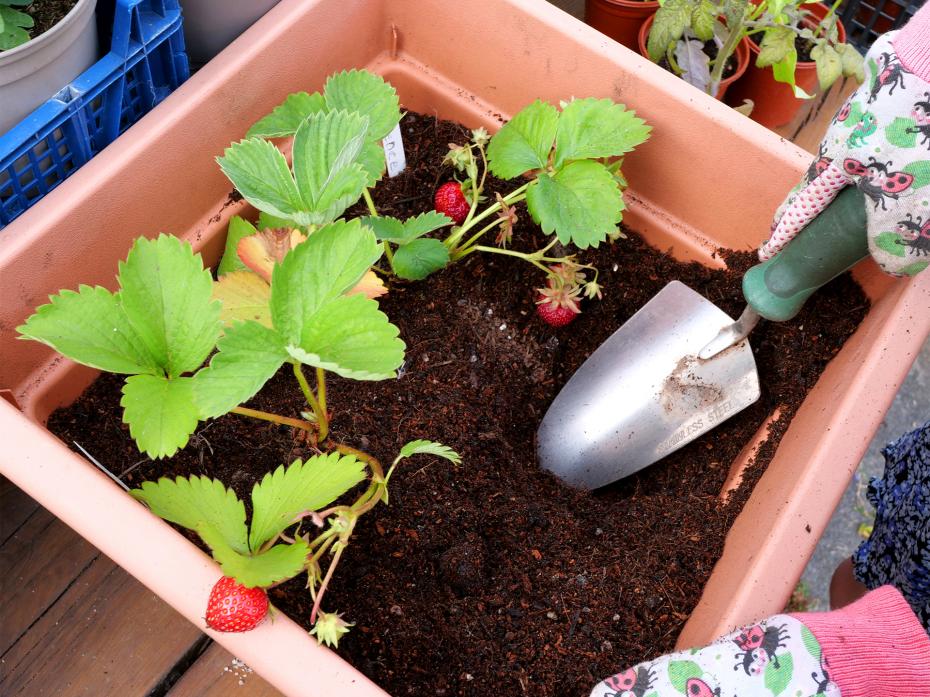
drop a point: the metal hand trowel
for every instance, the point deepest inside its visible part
(680, 365)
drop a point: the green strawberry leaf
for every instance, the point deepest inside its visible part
(161, 413)
(351, 337)
(331, 262)
(329, 179)
(90, 327)
(778, 679)
(371, 160)
(238, 228)
(243, 295)
(260, 173)
(581, 203)
(423, 223)
(428, 447)
(680, 672)
(921, 172)
(898, 132)
(281, 562)
(198, 503)
(166, 295)
(385, 227)
(267, 221)
(417, 259)
(591, 128)
(889, 242)
(365, 93)
(286, 118)
(297, 488)
(248, 355)
(523, 143)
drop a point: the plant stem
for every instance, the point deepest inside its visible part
(274, 418)
(455, 254)
(723, 55)
(388, 253)
(513, 197)
(321, 419)
(370, 203)
(321, 388)
(322, 589)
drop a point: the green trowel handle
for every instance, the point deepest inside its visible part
(831, 243)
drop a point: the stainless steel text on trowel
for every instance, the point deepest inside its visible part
(644, 392)
(680, 366)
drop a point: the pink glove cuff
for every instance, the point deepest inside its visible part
(912, 44)
(875, 646)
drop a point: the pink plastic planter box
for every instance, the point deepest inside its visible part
(708, 177)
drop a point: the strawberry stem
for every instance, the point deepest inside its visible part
(274, 418)
(321, 418)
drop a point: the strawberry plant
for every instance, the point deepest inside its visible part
(13, 24)
(294, 528)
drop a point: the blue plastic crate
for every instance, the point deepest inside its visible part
(145, 64)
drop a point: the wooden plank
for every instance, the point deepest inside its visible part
(807, 129)
(38, 563)
(15, 507)
(106, 635)
(218, 674)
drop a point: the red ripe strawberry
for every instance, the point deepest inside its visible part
(451, 201)
(554, 314)
(234, 608)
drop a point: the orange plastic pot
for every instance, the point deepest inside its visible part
(161, 176)
(619, 19)
(741, 53)
(774, 102)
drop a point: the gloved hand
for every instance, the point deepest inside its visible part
(875, 646)
(880, 142)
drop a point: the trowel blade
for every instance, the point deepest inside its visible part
(644, 393)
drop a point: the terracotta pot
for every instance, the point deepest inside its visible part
(741, 53)
(619, 19)
(774, 102)
(161, 176)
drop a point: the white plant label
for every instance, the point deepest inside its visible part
(393, 145)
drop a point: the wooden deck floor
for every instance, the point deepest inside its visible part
(73, 623)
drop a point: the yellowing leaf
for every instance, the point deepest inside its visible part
(261, 251)
(244, 296)
(371, 286)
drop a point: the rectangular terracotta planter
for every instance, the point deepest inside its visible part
(707, 177)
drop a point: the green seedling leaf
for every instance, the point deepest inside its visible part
(328, 177)
(670, 22)
(829, 64)
(351, 337)
(365, 93)
(523, 143)
(90, 327)
(693, 63)
(161, 413)
(260, 173)
(592, 128)
(702, 20)
(853, 63)
(238, 229)
(298, 488)
(329, 263)
(428, 447)
(287, 117)
(777, 44)
(248, 355)
(198, 503)
(281, 562)
(581, 203)
(680, 672)
(243, 296)
(777, 679)
(417, 259)
(165, 293)
(398, 232)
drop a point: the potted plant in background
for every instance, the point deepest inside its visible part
(39, 58)
(702, 42)
(619, 19)
(668, 204)
(211, 25)
(797, 45)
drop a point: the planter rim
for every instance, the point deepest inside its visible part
(741, 52)
(632, 4)
(36, 44)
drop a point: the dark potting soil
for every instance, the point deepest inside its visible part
(491, 577)
(46, 14)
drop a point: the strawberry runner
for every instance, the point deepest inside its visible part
(879, 141)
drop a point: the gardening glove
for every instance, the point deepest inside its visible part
(879, 141)
(875, 646)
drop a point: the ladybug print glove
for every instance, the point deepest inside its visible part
(879, 141)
